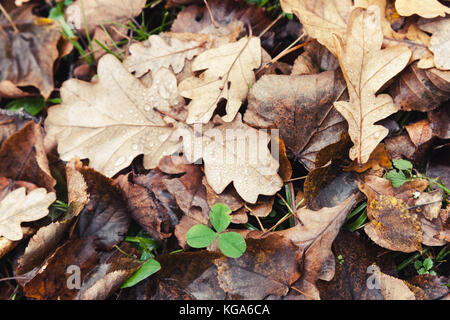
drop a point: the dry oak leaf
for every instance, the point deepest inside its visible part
(315, 235)
(321, 18)
(229, 75)
(94, 13)
(112, 121)
(157, 52)
(235, 152)
(366, 69)
(440, 41)
(423, 8)
(18, 207)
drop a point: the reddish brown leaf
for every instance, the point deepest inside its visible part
(420, 90)
(267, 268)
(22, 157)
(27, 57)
(50, 283)
(301, 107)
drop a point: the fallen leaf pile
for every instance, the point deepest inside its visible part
(325, 133)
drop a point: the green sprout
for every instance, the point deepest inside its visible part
(232, 244)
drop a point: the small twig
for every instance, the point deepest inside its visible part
(286, 51)
(257, 218)
(8, 17)
(270, 26)
(18, 113)
(211, 15)
(295, 179)
(301, 292)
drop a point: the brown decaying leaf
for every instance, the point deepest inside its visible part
(378, 159)
(188, 190)
(268, 267)
(9, 126)
(185, 275)
(112, 121)
(23, 157)
(27, 57)
(229, 74)
(420, 90)
(440, 121)
(314, 236)
(420, 132)
(366, 69)
(301, 107)
(150, 203)
(50, 282)
(327, 185)
(106, 215)
(439, 167)
(316, 58)
(401, 146)
(350, 280)
(45, 241)
(393, 224)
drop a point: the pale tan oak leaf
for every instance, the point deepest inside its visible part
(423, 8)
(229, 75)
(114, 120)
(366, 68)
(235, 152)
(321, 18)
(157, 52)
(17, 207)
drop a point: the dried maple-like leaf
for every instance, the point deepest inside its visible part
(267, 268)
(23, 157)
(321, 19)
(314, 236)
(27, 56)
(366, 69)
(420, 90)
(424, 8)
(229, 74)
(301, 107)
(235, 152)
(18, 207)
(162, 51)
(112, 121)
